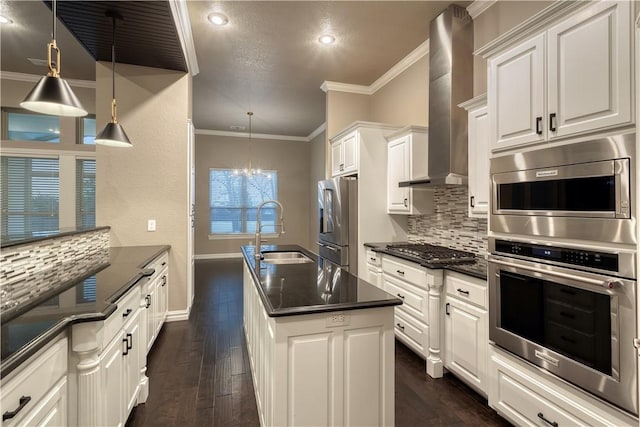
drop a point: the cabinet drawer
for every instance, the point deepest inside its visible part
(414, 299)
(473, 291)
(413, 333)
(405, 270)
(40, 373)
(127, 307)
(159, 265)
(523, 406)
(374, 258)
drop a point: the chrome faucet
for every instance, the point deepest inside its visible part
(257, 254)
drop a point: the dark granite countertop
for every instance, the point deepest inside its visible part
(477, 269)
(86, 299)
(317, 287)
(7, 241)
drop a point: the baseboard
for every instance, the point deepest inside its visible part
(178, 315)
(217, 256)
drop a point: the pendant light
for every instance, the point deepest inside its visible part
(249, 171)
(113, 134)
(52, 94)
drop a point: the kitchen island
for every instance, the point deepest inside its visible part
(320, 342)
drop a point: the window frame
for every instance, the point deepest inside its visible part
(80, 129)
(232, 236)
(4, 112)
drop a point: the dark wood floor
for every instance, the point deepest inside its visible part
(199, 371)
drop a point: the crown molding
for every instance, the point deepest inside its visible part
(24, 77)
(392, 73)
(183, 28)
(318, 131)
(478, 101)
(476, 8)
(253, 135)
(529, 27)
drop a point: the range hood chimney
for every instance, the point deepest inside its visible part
(450, 83)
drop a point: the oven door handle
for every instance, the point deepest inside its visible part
(604, 283)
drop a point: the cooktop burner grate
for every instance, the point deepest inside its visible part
(431, 254)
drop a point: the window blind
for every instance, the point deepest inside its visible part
(85, 193)
(30, 195)
(234, 199)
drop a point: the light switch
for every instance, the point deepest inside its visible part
(151, 225)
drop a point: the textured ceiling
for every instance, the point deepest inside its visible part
(266, 60)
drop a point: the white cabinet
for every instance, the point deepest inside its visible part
(374, 268)
(407, 159)
(418, 320)
(572, 79)
(466, 329)
(479, 152)
(156, 298)
(111, 366)
(311, 370)
(345, 154)
(133, 345)
(524, 395)
(36, 393)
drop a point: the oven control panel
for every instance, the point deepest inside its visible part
(593, 259)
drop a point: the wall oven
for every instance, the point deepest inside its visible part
(582, 190)
(570, 310)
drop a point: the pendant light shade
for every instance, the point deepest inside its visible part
(113, 133)
(52, 94)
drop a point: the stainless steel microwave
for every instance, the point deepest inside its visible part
(583, 190)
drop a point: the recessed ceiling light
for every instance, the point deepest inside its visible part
(327, 39)
(5, 20)
(218, 19)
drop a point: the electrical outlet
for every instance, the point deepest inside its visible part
(151, 225)
(339, 319)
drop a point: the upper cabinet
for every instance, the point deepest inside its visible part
(478, 145)
(574, 78)
(407, 159)
(345, 156)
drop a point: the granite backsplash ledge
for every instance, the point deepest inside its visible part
(450, 224)
(31, 269)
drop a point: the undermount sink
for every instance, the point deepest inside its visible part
(285, 258)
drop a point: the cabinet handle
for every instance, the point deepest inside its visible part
(148, 299)
(126, 313)
(400, 272)
(406, 202)
(472, 201)
(539, 125)
(463, 292)
(129, 341)
(164, 263)
(341, 166)
(541, 416)
(126, 346)
(552, 122)
(446, 309)
(400, 296)
(10, 414)
(372, 259)
(400, 326)
(164, 280)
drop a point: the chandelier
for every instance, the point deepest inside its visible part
(249, 171)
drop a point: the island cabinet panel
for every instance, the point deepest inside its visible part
(331, 369)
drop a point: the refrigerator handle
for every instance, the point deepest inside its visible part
(321, 220)
(327, 212)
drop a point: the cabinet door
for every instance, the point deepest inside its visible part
(130, 366)
(152, 315)
(479, 139)
(516, 95)
(590, 70)
(163, 300)
(466, 340)
(398, 169)
(350, 153)
(337, 165)
(52, 410)
(112, 377)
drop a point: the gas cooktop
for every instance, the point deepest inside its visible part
(430, 255)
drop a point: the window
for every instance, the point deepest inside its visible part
(30, 195)
(234, 199)
(26, 126)
(87, 130)
(85, 193)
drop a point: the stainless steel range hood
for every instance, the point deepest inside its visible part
(450, 83)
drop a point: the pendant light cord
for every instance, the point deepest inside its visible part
(55, 12)
(113, 59)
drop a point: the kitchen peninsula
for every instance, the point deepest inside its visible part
(320, 341)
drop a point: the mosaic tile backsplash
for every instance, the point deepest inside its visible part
(450, 224)
(29, 270)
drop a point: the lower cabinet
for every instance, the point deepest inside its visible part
(466, 329)
(37, 393)
(525, 396)
(373, 274)
(156, 299)
(329, 369)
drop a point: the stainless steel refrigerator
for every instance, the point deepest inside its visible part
(338, 215)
